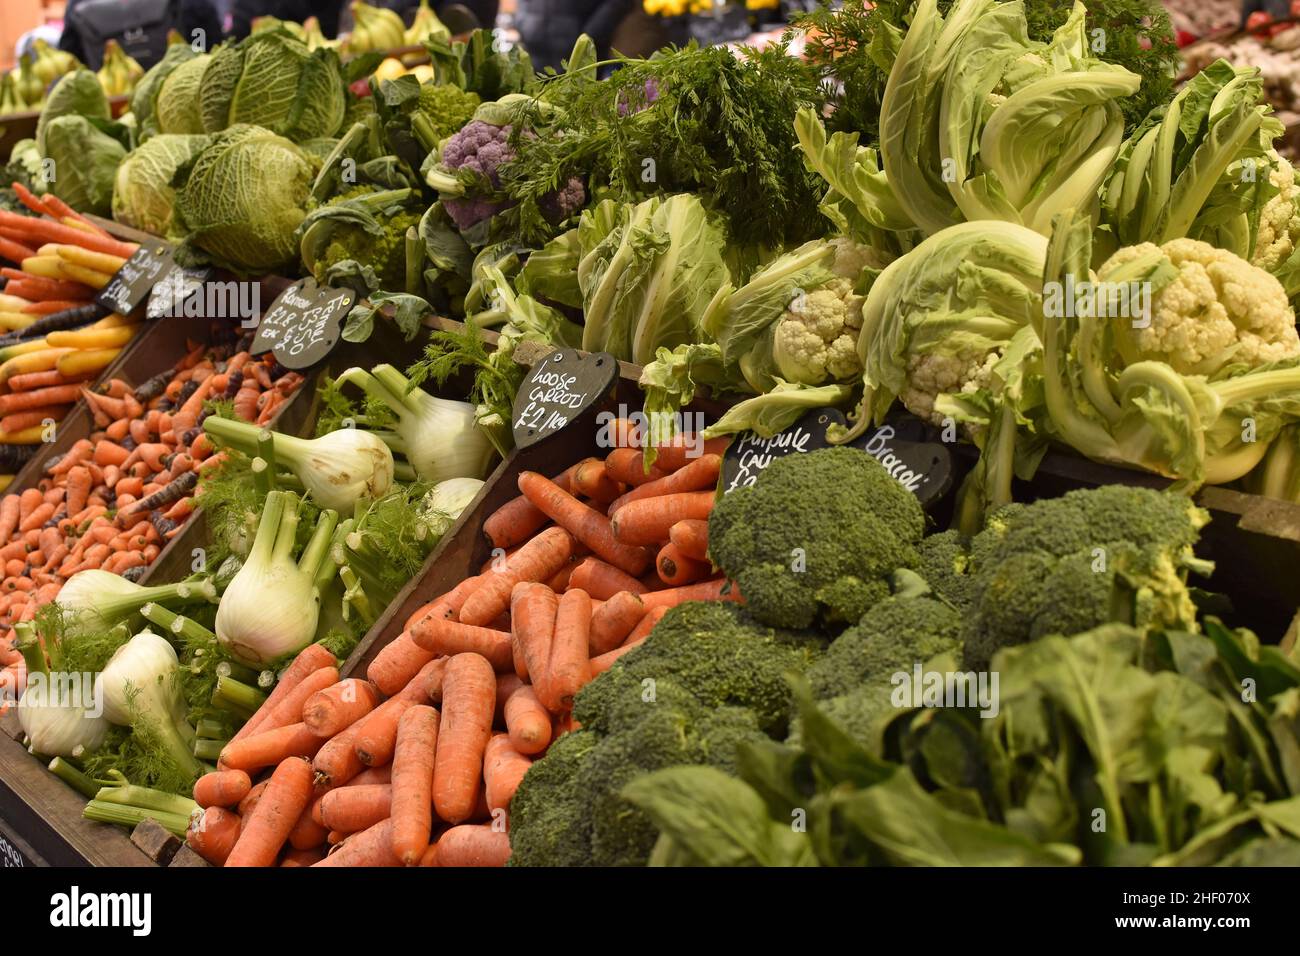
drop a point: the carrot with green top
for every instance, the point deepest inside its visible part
(412, 787)
(468, 702)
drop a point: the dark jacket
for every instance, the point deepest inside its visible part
(326, 11)
(186, 15)
(549, 28)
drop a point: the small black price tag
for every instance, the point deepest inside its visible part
(557, 390)
(923, 468)
(132, 284)
(303, 324)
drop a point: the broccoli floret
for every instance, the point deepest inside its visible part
(548, 819)
(892, 637)
(447, 107)
(946, 565)
(816, 537)
(713, 652)
(385, 254)
(1069, 564)
(666, 736)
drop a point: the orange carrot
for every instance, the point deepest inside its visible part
(329, 711)
(337, 762)
(289, 709)
(307, 834)
(286, 796)
(503, 768)
(302, 858)
(567, 670)
(8, 517)
(110, 453)
(222, 788)
(413, 758)
(29, 501)
(532, 629)
(602, 581)
(468, 699)
(536, 561)
(441, 636)
(645, 626)
(311, 658)
(647, 521)
(626, 465)
(78, 488)
(527, 721)
(356, 807)
(30, 380)
(675, 454)
(48, 231)
(264, 749)
(39, 398)
(676, 569)
(371, 847)
(700, 475)
(39, 515)
(397, 662)
(717, 589)
(518, 519)
(213, 834)
(591, 480)
(249, 802)
(585, 523)
(473, 845)
(613, 621)
(691, 536)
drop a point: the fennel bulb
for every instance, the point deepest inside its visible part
(58, 712)
(97, 600)
(336, 469)
(271, 607)
(140, 688)
(445, 502)
(440, 438)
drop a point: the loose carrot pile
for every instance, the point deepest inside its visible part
(417, 764)
(116, 497)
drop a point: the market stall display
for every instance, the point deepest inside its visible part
(501, 535)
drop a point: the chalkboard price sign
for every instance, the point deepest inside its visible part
(924, 468)
(303, 324)
(130, 286)
(559, 388)
(172, 293)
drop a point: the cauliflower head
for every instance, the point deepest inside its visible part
(1216, 310)
(945, 372)
(479, 148)
(1279, 221)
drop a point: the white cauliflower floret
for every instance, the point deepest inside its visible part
(1218, 310)
(852, 257)
(932, 374)
(1279, 220)
(816, 337)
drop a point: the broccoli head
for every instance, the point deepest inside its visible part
(712, 652)
(816, 538)
(1091, 557)
(548, 823)
(894, 635)
(947, 564)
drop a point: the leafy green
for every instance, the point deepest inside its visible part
(142, 190)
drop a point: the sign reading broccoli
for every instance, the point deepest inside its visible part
(923, 468)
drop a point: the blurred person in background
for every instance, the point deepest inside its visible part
(243, 12)
(140, 26)
(549, 28)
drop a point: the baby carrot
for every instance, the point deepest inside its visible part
(468, 700)
(412, 787)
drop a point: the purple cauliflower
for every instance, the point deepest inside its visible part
(564, 202)
(481, 148)
(650, 93)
